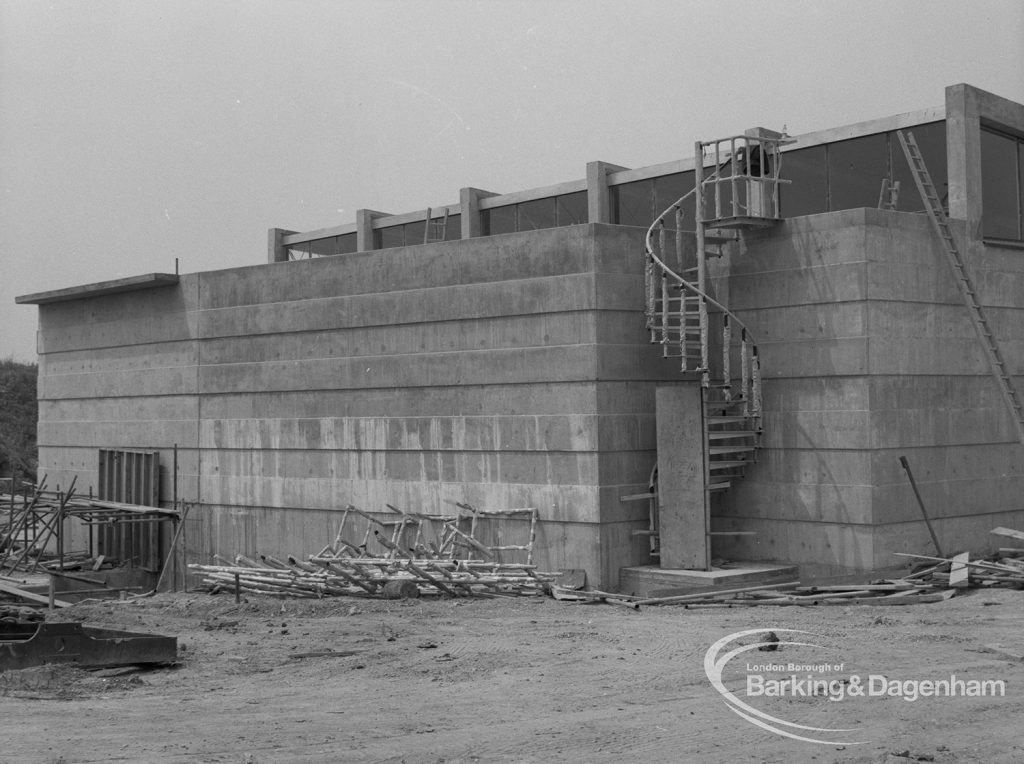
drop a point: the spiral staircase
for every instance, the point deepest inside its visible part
(714, 348)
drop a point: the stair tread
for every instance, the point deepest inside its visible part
(731, 449)
(727, 463)
(730, 434)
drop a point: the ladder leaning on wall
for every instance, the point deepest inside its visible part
(982, 328)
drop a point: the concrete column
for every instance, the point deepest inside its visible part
(277, 252)
(963, 156)
(469, 203)
(599, 208)
(682, 509)
(364, 228)
(966, 108)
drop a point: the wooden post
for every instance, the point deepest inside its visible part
(60, 532)
(184, 552)
(174, 503)
(10, 527)
(920, 503)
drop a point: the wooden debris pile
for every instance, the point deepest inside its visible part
(373, 576)
(34, 527)
(903, 591)
(1005, 568)
(407, 554)
(934, 579)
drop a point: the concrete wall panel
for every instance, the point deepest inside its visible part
(552, 294)
(455, 265)
(544, 398)
(568, 363)
(402, 339)
(571, 432)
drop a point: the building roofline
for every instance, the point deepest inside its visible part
(100, 288)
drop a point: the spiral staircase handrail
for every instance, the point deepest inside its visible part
(649, 247)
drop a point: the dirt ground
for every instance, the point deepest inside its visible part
(524, 680)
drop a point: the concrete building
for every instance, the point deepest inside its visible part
(497, 355)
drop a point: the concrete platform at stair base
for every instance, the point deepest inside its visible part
(652, 581)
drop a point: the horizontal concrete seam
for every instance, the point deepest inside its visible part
(122, 398)
(763, 343)
(940, 518)
(60, 375)
(426, 322)
(407, 355)
(120, 345)
(770, 309)
(496, 319)
(815, 523)
(559, 278)
(416, 449)
(793, 269)
(410, 386)
(142, 421)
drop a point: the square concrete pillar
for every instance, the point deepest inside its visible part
(598, 201)
(364, 228)
(683, 522)
(277, 252)
(469, 203)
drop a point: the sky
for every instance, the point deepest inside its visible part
(134, 133)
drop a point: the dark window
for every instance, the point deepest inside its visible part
(1000, 185)
(414, 232)
(633, 203)
(346, 243)
(808, 192)
(931, 140)
(1020, 186)
(669, 189)
(498, 220)
(571, 209)
(323, 247)
(386, 238)
(856, 169)
(453, 231)
(299, 251)
(539, 213)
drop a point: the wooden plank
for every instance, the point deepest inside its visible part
(638, 497)
(959, 573)
(31, 596)
(865, 587)
(1009, 532)
(710, 595)
(993, 566)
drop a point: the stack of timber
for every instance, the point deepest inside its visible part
(408, 554)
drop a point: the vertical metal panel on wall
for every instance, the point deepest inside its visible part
(131, 477)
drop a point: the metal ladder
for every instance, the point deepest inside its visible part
(435, 229)
(963, 279)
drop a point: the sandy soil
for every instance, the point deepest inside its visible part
(527, 679)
